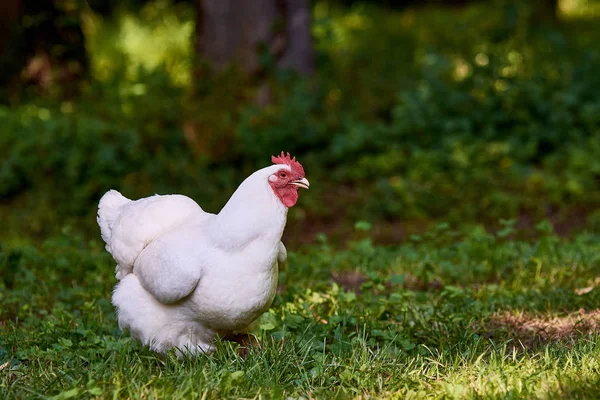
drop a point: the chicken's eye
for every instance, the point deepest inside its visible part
(282, 175)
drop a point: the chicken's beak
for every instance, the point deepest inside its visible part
(303, 183)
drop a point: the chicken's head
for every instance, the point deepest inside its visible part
(287, 181)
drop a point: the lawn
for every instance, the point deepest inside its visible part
(444, 315)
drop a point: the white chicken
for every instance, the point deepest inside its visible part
(185, 275)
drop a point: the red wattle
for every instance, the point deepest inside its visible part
(287, 195)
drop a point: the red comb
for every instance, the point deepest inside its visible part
(293, 164)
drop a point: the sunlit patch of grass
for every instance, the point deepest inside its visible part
(534, 331)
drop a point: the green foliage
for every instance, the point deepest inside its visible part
(431, 118)
(483, 121)
(62, 157)
(410, 117)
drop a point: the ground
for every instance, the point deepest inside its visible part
(443, 315)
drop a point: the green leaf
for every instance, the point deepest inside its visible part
(67, 394)
(363, 226)
(237, 375)
(267, 322)
(95, 391)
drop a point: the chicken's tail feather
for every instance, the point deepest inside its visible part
(108, 211)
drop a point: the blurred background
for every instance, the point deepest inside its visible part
(404, 113)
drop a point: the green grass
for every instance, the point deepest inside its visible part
(413, 119)
(430, 318)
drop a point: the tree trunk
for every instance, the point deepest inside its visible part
(230, 31)
(299, 52)
(238, 31)
(549, 9)
(10, 64)
(253, 37)
(42, 45)
(10, 13)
